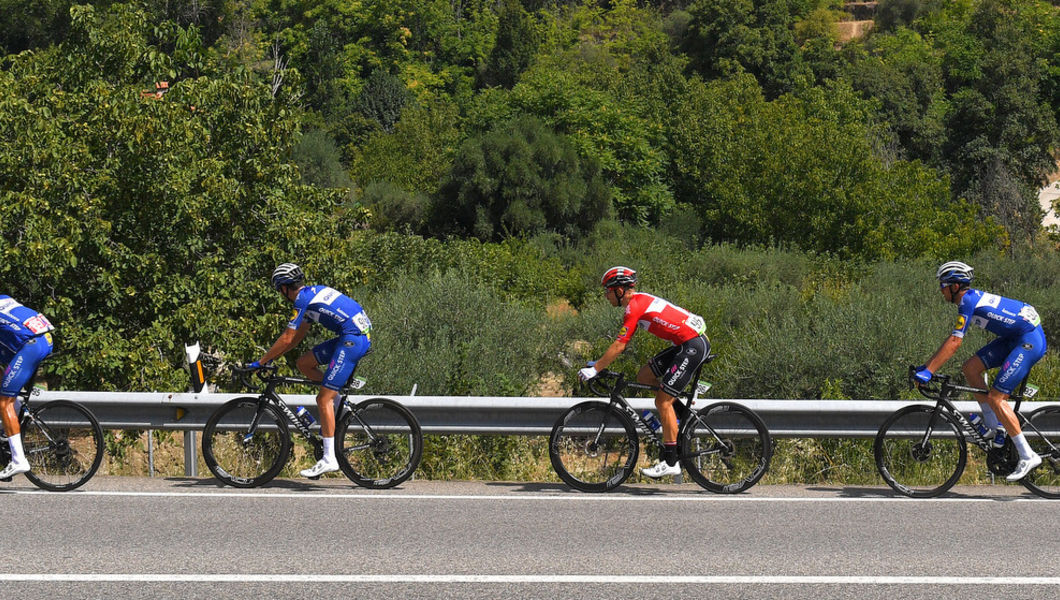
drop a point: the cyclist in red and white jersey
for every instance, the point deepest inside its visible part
(672, 369)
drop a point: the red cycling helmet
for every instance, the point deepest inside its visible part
(619, 276)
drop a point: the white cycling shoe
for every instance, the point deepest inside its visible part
(320, 468)
(1025, 466)
(13, 469)
(661, 469)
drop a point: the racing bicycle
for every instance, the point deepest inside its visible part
(62, 439)
(922, 450)
(247, 441)
(725, 447)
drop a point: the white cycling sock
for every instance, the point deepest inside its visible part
(329, 449)
(989, 418)
(1023, 447)
(17, 454)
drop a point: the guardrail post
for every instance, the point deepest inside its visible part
(197, 384)
(191, 462)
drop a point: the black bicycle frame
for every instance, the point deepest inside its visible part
(942, 402)
(269, 396)
(686, 400)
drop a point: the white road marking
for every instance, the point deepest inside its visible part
(469, 578)
(529, 497)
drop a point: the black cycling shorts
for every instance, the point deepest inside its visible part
(676, 365)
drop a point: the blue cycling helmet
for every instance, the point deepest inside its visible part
(954, 272)
(287, 274)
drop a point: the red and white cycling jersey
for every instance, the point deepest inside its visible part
(661, 318)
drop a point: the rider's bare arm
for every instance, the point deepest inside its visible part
(616, 348)
(287, 340)
(944, 353)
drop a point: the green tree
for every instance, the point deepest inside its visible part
(148, 222)
(725, 37)
(520, 178)
(1001, 129)
(382, 99)
(417, 155)
(28, 24)
(802, 171)
(514, 48)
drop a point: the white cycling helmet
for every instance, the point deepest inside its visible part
(954, 272)
(287, 274)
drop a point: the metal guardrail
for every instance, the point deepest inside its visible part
(482, 415)
(493, 415)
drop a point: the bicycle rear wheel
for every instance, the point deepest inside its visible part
(593, 447)
(379, 443)
(725, 447)
(920, 451)
(63, 443)
(245, 442)
(1043, 434)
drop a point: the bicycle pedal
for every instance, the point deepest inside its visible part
(6, 480)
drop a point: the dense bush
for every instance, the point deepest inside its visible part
(520, 179)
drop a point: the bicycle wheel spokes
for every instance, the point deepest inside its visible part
(726, 448)
(64, 445)
(919, 452)
(1043, 434)
(593, 447)
(380, 443)
(241, 456)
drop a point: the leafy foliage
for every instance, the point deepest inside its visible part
(520, 179)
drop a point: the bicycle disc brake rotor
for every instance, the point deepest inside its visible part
(592, 449)
(921, 452)
(1003, 460)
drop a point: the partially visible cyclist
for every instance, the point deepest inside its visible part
(25, 340)
(672, 369)
(338, 313)
(1019, 344)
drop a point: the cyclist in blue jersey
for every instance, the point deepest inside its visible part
(25, 340)
(1019, 344)
(338, 313)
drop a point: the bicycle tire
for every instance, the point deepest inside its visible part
(726, 449)
(593, 446)
(63, 443)
(1044, 438)
(240, 462)
(911, 467)
(379, 443)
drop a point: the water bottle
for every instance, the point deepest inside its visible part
(980, 426)
(651, 419)
(304, 416)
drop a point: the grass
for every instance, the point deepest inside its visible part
(834, 462)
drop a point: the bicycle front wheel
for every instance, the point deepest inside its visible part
(245, 442)
(725, 447)
(920, 451)
(63, 443)
(593, 447)
(1043, 433)
(379, 443)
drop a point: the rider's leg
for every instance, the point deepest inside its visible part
(326, 409)
(975, 374)
(14, 438)
(664, 403)
(8, 415)
(307, 365)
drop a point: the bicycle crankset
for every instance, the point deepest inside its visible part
(1003, 460)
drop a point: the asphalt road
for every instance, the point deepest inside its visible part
(191, 538)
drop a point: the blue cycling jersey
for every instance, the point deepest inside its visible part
(17, 325)
(332, 309)
(1003, 317)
